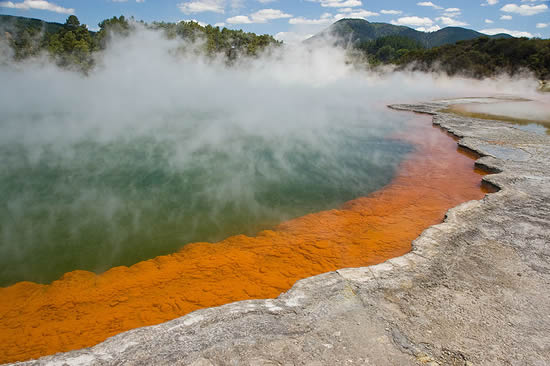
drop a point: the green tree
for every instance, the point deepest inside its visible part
(72, 22)
(385, 54)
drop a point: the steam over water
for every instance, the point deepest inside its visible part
(153, 150)
(93, 204)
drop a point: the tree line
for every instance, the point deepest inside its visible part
(72, 45)
(477, 58)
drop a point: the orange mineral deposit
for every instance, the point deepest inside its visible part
(82, 309)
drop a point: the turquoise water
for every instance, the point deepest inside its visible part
(92, 203)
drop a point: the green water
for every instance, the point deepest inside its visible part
(91, 203)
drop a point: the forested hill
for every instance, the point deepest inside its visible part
(9, 23)
(484, 57)
(453, 50)
(73, 45)
(477, 58)
(355, 31)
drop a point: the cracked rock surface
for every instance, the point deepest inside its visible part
(475, 290)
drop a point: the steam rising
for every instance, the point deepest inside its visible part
(157, 148)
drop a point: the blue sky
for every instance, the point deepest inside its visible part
(293, 20)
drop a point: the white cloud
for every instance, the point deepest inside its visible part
(239, 19)
(543, 25)
(264, 15)
(505, 17)
(199, 6)
(433, 28)
(338, 3)
(326, 18)
(196, 21)
(450, 22)
(37, 4)
(302, 20)
(524, 9)
(392, 12)
(261, 16)
(429, 4)
(220, 24)
(362, 13)
(357, 14)
(489, 21)
(452, 12)
(266, 1)
(414, 20)
(92, 28)
(490, 2)
(507, 31)
(292, 37)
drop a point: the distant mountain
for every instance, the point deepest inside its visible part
(354, 31)
(9, 23)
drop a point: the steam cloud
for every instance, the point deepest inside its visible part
(172, 147)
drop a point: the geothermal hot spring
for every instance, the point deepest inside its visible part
(275, 169)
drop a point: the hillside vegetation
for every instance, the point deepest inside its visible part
(73, 45)
(388, 49)
(483, 57)
(453, 50)
(478, 58)
(356, 31)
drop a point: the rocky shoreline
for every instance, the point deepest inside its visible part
(473, 291)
